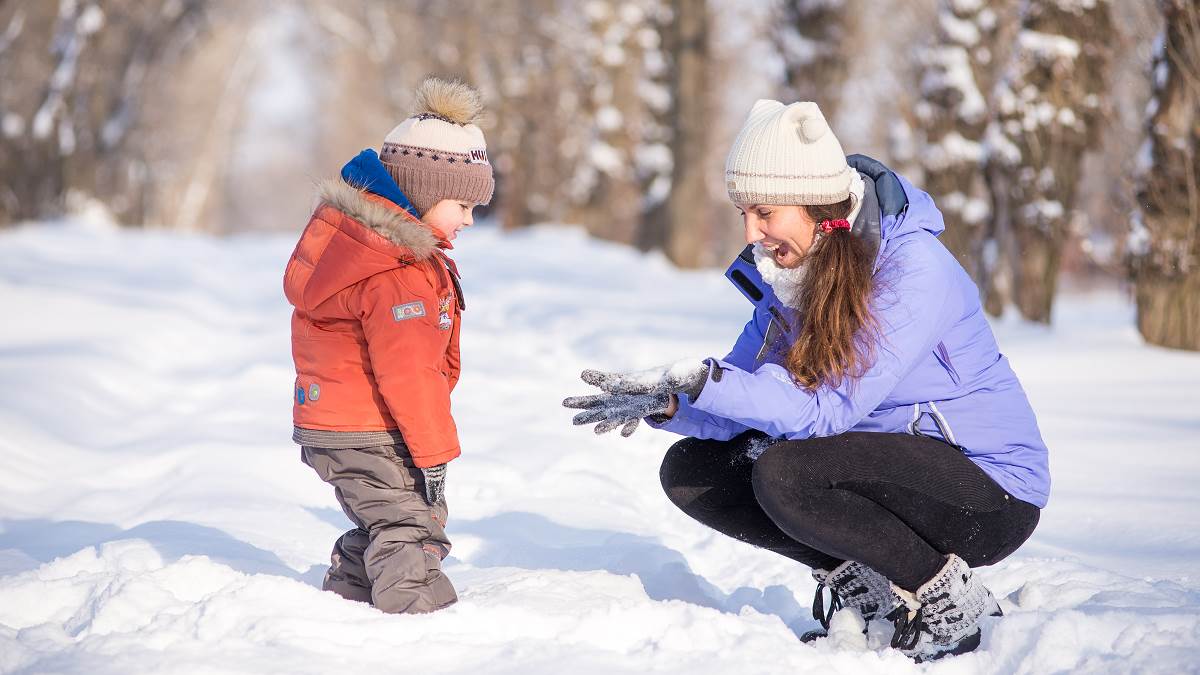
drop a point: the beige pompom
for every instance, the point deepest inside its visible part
(454, 101)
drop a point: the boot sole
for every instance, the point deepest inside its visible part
(963, 646)
(813, 636)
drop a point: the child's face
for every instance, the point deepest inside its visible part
(449, 216)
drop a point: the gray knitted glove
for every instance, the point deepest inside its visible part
(435, 483)
(628, 397)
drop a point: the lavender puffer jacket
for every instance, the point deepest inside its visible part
(937, 372)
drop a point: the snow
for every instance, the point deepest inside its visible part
(658, 379)
(13, 30)
(797, 48)
(631, 14)
(960, 31)
(1043, 210)
(1075, 6)
(964, 7)
(1047, 46)
(952, 150)
(155, 517)
(91, 20)
(1162, 70)
(612, 55)
(950, 68)
(972, 210)
(1138, 241)
(605, 158)
(608, 118)
(654, 158)
(656, 96)
(13, 125)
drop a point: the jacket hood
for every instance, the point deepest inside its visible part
(919, 214)
(362, 226)
(366, 171)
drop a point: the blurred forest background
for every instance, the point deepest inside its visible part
(1059, 137)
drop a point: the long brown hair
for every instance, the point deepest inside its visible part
(838, 330)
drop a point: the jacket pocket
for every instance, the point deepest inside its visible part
(943, 357)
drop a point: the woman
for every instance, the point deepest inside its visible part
(865, 423)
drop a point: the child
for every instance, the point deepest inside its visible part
(375, 340)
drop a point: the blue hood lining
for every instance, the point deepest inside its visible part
(367, 172)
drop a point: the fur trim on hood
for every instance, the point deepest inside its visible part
(399, 228)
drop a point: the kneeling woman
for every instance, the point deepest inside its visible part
(865, 423)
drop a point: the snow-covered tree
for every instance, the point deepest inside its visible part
(1164, 243)
(952, 114)
(1050, 105)
(678, 225)
(625, 168)
(74, 74)
(812, 39)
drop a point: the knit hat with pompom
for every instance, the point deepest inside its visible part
(787, 154)
(439, 153)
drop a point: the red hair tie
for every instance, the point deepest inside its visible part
(828, 226)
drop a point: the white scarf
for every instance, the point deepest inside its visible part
(786, 281)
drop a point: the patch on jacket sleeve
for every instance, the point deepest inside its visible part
(409, 310)
(444, 320)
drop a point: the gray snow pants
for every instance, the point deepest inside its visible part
(393, 558)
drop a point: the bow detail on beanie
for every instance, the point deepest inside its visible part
(828, 226)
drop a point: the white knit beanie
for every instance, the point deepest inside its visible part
(787, 155)
(439, 153)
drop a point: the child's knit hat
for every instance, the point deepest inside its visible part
(439, 153)
(787, 155)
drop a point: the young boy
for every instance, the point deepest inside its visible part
(375, 340)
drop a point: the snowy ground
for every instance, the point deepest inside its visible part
(154, 515)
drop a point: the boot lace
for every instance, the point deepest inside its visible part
(820, 613)
(908, 628)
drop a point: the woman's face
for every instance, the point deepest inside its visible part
(449, 216)
(786, 231)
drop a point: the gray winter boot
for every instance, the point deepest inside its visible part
(851, 584)
(942, 617)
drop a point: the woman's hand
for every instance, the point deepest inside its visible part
(672, 407)
(610, 411)
(628, 397)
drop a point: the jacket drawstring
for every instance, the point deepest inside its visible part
(943, 425)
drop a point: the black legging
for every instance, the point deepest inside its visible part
(895, 502)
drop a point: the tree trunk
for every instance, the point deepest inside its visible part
(956, 80)
(1050, 114)
(680, 227)
(617, 121)
(1165, 241)
(1036, 268)
(811, 38)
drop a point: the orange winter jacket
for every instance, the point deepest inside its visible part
(375, 331)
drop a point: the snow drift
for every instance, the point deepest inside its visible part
(155, 517)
